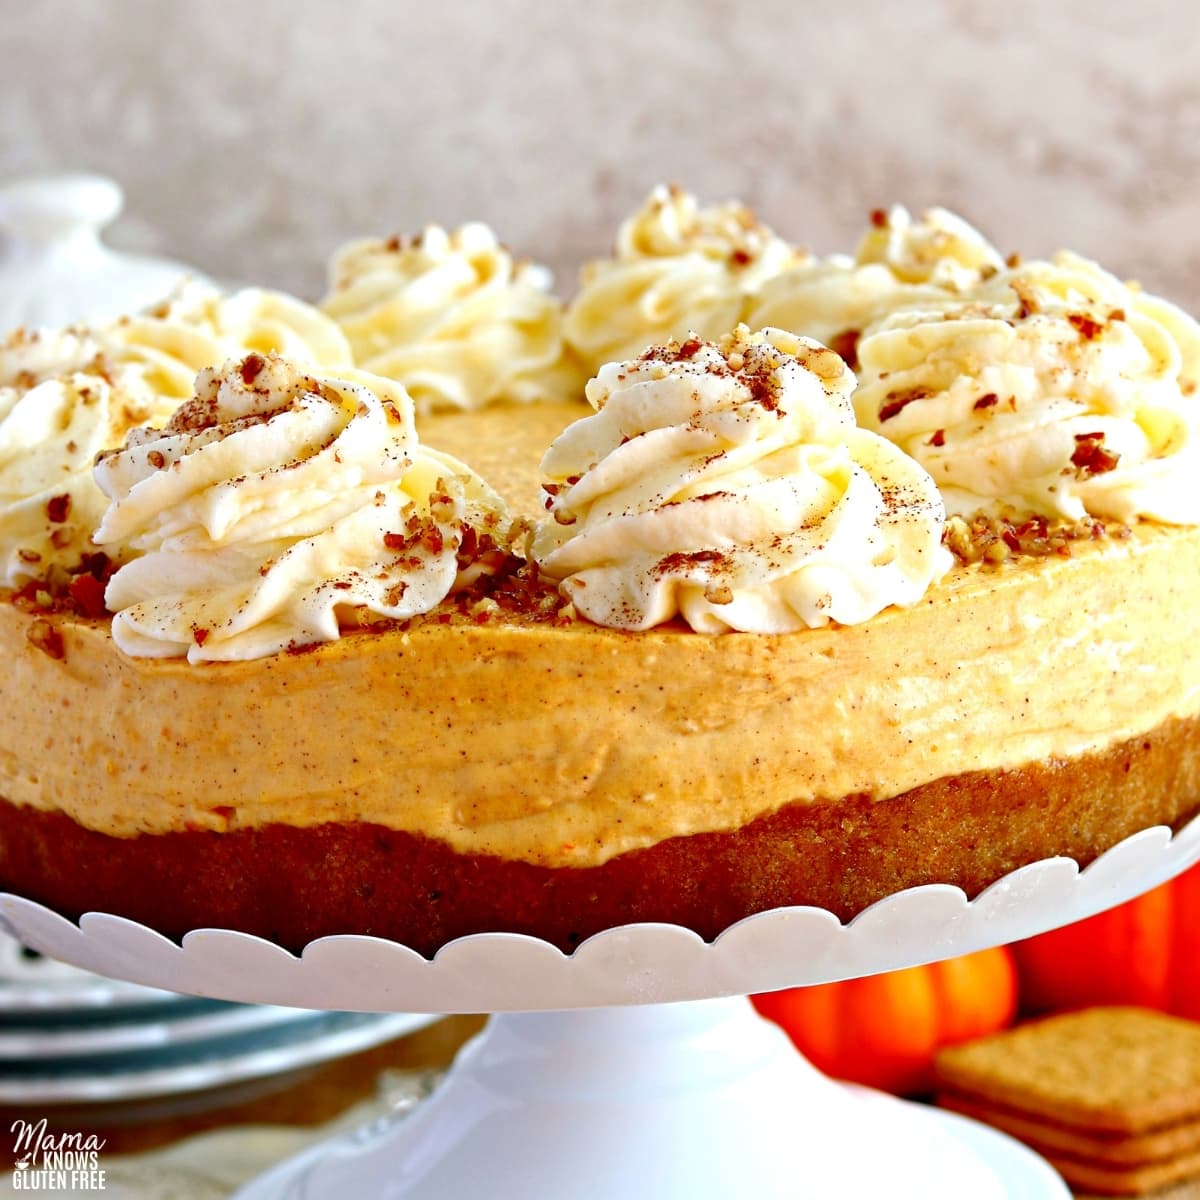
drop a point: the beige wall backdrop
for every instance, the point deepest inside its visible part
(252, 136)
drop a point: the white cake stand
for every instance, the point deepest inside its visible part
(635, 1067)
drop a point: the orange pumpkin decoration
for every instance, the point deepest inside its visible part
(884, 1030)
(1145, 952)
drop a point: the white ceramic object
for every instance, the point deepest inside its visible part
(175, 1027)
(36, 986)
(219, 1063)
(643, 1095)
(633, 964)
(55, 270)
(701, 1101)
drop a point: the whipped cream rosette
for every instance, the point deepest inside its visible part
(50, 435)
(452, 316)
(676, 269)
(277, 507)
(899, 262)
(261, 320)
(729, 483)
(1051, 388)
(163, 348)
(63, 399)
(67, 394)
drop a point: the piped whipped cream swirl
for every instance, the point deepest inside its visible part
(258, 320)
(452, 316)
(676, 268)
(50, 435)
(899, 262)
(1050, 388)
(729, 483)
(67, 394)
(277, 507)
(161, 350)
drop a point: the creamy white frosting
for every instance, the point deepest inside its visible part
(261, 320)
(899, 262)
(1049, 388)
(277, 506)
(677, 268)
(452, 316)
(729, 484)
(940, 249)
(67, 394)
(50, 435)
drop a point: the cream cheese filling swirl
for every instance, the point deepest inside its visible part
(1052, 388)
(728, 483)
(277, 507)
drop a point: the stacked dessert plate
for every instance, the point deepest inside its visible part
(72, 1038)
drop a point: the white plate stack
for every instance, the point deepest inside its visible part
(70, 1038)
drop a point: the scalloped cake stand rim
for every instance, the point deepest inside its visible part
(633, 964)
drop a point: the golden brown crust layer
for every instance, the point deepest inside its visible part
(292, 885)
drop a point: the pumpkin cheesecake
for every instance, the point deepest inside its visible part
(719, 641)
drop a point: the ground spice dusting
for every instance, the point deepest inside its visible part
(938, 438)
(157, 459)
(681, 561)
(988, 401)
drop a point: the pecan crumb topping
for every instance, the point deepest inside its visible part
(994, 540)
(845, 345)
(79, 590)
(251, 367)
(1086, 326)
(897, 402)
(1091, 456)
(58, 508)
(44, 637)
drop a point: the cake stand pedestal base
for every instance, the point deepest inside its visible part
(692, 1101)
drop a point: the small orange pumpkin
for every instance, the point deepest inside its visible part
(884, 1030)
(1144, 952)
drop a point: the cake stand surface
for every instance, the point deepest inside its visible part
(652, 1077)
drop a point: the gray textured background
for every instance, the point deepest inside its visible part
(252, 137)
